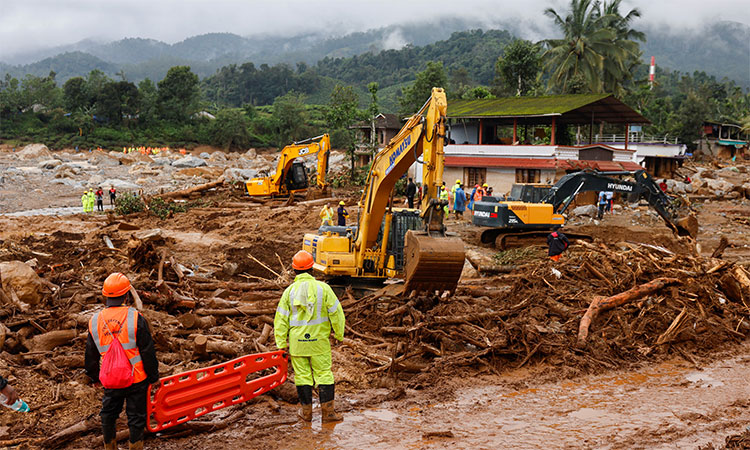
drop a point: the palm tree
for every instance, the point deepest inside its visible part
(616, 70)
(598, 46)
(579, 54)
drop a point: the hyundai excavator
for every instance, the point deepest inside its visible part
(290, 176)
(508, 220)
(390, 242)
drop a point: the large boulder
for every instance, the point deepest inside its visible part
(34, 151)
(218, 157)
(585, 210)
(23, 279)
(161, 161)
(719, 187)
(205, 155)
(678, 187)
(49, 164)
(235, 174)
(190, 162)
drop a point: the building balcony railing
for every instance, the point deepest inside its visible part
(636, 138)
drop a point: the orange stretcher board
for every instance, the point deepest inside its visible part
(185, 396)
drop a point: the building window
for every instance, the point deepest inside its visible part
(382, 137)
(474, 176)
(528, 175)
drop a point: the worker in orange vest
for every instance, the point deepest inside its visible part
(134, 334)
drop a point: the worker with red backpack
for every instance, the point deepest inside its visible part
(121, 337)
(558, 243)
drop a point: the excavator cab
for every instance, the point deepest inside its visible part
(296, 177)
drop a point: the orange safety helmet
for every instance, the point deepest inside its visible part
(116, 285)
(302, 260)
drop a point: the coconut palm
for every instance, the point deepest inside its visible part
(597, 46)
(619, 69)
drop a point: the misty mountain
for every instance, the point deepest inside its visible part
(721, 49)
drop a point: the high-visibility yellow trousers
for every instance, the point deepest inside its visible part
(312, 370)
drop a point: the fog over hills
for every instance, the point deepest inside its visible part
(718, 48)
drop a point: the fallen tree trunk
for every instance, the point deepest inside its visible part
(190, 320)
(68, 434)
(600, 304)
(239, 311)
(194, 189)
(50, 340)
(483, 264)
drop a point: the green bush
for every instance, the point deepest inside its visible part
(163, 209)
(128, 203)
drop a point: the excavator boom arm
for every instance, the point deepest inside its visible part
(643, 185)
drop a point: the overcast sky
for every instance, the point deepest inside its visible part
(33, 24)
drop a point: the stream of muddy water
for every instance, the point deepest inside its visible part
(671, 405)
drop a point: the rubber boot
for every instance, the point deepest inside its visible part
(110, 445)
(136, 445)
(327, 394)
(305, 394)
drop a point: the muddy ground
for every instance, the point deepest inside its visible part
(668, 371)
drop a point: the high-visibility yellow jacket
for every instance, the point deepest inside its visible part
(307, 312)
(326, 215)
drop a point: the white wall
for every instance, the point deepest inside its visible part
(461, 134)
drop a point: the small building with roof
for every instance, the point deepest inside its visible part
(387, 127)
(539, 139)
(724, 140)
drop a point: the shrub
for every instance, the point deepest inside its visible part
(163, 209)
(128, 203)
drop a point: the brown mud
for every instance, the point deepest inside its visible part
(495, 365)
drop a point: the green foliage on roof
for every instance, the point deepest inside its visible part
(521, 106)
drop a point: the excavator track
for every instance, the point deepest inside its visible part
(432, 263)
(504, 239)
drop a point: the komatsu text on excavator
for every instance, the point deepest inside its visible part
(290, 176)
(390, 242)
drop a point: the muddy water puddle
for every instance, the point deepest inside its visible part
(666, 406)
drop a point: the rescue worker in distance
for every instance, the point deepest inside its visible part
(307, 312)
(133, 332)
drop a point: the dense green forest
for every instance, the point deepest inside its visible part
(271, 105)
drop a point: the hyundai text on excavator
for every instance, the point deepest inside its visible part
(389, 242)
(516, 220)
(290, 176)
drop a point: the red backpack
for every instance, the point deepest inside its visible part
(116, 371)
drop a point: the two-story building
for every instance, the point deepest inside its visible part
(539, 139)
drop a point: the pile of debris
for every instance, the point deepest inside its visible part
(651, 302)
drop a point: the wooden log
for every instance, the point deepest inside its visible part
(190, 320)
(212, 285)
(596, 273)
(448, 320)
(600, 304)
(320, 201)
(51, 340)
(108, 242)
(723, 244)
(199, 346)
(239, 311)
(195, 189)
(66, 435)
(137, 302)
(264, 335)
(176, 268)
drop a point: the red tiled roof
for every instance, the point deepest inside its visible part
(538, 163)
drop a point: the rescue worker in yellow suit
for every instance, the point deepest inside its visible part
(85, 201)
(326, 215)
(307, 312)
(444, 196)
(91, 200)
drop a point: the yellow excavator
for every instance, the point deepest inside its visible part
(391, 242)
(290, 176)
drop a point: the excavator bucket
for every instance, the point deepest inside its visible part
(687, 226)
(432, 263)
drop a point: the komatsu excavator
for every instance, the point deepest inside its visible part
(389, 242)
(517, 220)
(290, 176)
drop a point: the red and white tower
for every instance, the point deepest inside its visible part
(652, 72)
